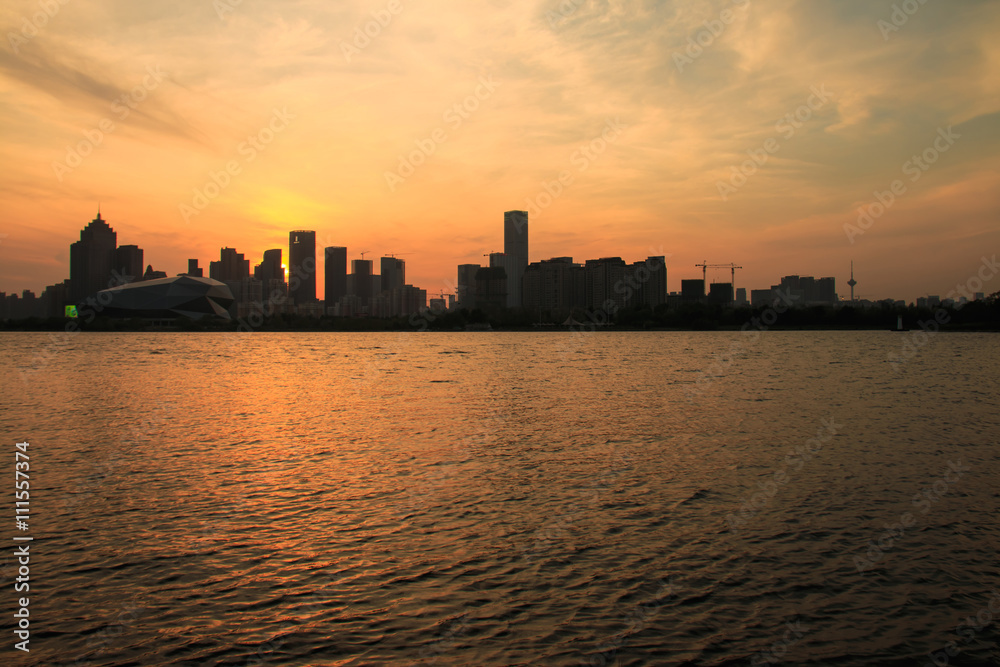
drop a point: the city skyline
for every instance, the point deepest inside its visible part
(388, 332)
(617, 128)
(278, 264)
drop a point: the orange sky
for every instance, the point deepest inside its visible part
(162, 95)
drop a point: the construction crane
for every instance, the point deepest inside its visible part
(363, 253)
(705, 266)
(394, 255)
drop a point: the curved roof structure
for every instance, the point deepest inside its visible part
(167, 298)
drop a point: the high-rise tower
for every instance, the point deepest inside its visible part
(302, 267)
(232, 266)
(852, 282)
(91, 260)
(335, 269)
(393, 272)
(361, 272)
(515, 248)
(270, 268)
(128, 265)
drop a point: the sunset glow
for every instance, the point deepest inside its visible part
(625, 128)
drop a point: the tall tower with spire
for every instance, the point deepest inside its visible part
(91, 260)
(852, 282)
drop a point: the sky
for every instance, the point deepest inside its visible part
(736, 131)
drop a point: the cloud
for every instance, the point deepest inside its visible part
(564, 67)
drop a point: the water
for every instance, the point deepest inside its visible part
(507, 498)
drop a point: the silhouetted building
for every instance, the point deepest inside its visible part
(553, 286)
(603, 276)
(501, 260)
(407, 300)
(54, 300)
(466, 287)
(128, 265)
(21, 307)
(646, 285)
(556, 285)
(91, 260)
(491, 288)
(741, 296)
(393, 272)
(150, 274)
(270, 267)
(761, 298)
(249, 297)
(14, 307)
(267, 290)
(361, 281)
(515, 247)
(720, 294)
(692, 290)
(194, 270)
(806, 290)
(167, 298)
(232, 266)
(335, 274)
(826, 290)
(302, 267)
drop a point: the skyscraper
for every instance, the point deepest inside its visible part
(335, 268)
(515, 247)
(720, 293)
(556, 284)
(692, 290)
(491, 288)
(466, 287)
(361, 272)
(653, 289)
(232, 266)
(605, 279)
(302, 267)
(91, 260)
(393, 273)
(128, 265)
(269, 275)
(194, 270)
(270, 267)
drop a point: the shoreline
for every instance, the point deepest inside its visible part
(232, 327)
